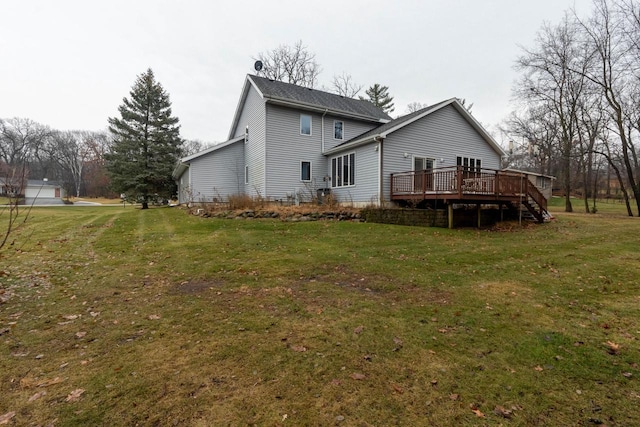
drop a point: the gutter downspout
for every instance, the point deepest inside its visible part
(380, 170)
(322, 130)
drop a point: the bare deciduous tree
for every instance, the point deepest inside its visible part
(291, 64)
(550, 82)
(415, 106)
(344, 85)
(613, 32)
(192, 146)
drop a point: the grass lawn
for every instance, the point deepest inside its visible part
(130, 317)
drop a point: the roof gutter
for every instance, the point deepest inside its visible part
(287, 103)
(353, 144)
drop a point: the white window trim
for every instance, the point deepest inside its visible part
(310, 171)
(475, 159)
(334, 130)
(333, 184)
(414, 157)
(310, 124)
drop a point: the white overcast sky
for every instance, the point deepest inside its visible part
(68, 64)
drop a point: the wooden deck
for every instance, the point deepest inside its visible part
(465, 185)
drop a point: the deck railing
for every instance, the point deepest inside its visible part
(464, 181)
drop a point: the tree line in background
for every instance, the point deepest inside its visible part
(578, 115)
(135, 156)
(578, 118)
(31, 150)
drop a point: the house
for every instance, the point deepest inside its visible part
(544, 183)
(291, 142)
(43, 189)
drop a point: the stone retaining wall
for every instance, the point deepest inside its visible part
(284, 216)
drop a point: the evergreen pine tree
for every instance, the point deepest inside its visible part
(379, 96)
(146, 143)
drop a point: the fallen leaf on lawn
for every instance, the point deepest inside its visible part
(74, 396)
(154, 317)
(4, 419)
(627, 374)
(358, 330)
(80, 334)
(538, 368)
(434, 382)
(299, 348)
(37, 396)
(70, 317)
(358, 376)
(454, 396)
(397, 388)
(398, 342)
(477, 412)
(613, 347)
(28, 382)
(502, 411)
(335, 382)
(94, 313)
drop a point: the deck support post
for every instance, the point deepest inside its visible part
(479, 216)
(450, 215)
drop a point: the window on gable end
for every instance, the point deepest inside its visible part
(305, 124)
(338, 127)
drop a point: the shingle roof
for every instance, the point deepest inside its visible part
(277, 90)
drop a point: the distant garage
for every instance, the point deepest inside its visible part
(43, 189)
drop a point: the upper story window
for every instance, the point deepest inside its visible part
(305, 124)
(338, 127)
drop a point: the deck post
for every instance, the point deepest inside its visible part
(479, 216)
(450, 215)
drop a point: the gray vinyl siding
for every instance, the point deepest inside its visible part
(184, 187)
(286, 148)
(365, 189)
(444, 134)
(217, 174)
(351, 129)
(253, 115)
